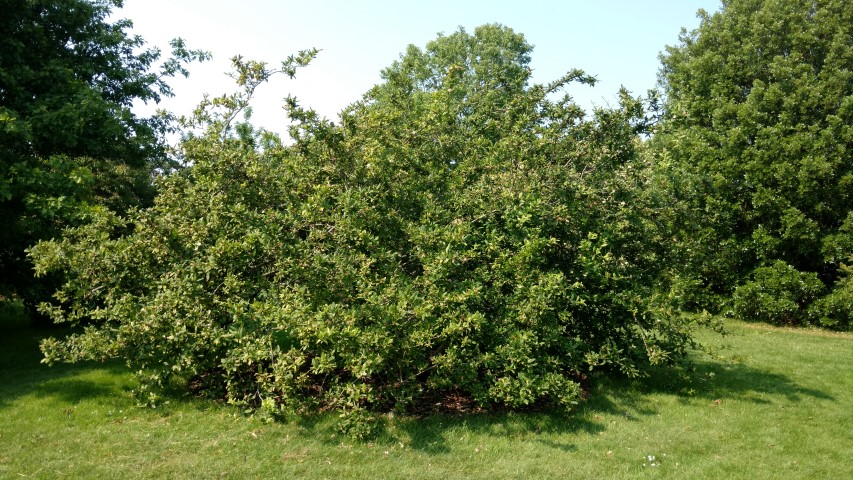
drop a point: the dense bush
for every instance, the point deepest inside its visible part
(836, 309)
(777, 294)
(459, 231)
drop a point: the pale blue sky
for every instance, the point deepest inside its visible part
(616, 40)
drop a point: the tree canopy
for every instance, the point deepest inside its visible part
(758, 140)
(68, 136)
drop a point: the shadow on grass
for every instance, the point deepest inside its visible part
(65, 383)
(74, 390)
(431, 434)
(631, 399)
(705, 380)
(22, 373)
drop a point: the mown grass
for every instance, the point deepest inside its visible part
(776, 403)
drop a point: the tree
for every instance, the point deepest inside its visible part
(68, 137)
(757, 141)
(458, 232)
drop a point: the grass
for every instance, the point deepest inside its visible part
(776, 403)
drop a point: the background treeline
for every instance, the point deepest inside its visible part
(457, 231)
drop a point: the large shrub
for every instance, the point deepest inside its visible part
(778, 294)
(459, 231)
(836, 309)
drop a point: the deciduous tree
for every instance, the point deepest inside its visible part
(68, 136)
(758, 140)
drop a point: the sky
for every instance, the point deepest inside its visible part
(618, 41)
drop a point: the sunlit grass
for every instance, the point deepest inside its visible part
(776, 403)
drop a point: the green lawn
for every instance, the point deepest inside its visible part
(776, 403)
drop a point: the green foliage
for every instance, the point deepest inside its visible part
(834, 310)
(68, 138)
(777, 294)
(758, 141)
(459, 232)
